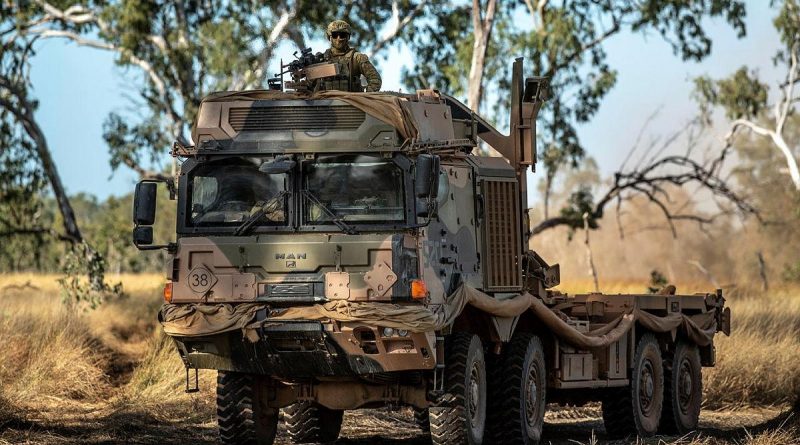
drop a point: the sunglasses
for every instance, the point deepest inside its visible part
(340, 35)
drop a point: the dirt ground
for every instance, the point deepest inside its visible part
(97, 425)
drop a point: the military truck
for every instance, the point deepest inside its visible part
(342, 250)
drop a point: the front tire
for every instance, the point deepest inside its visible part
(637, 409)
(461, 418)
(242, 416)
(517, 392)
(308, 422)
(683, 389)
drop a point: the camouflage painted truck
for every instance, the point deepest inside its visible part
(346, 250)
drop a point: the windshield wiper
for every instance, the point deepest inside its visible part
(265, 209)
(343, 226)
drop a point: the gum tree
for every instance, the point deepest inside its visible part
(564, 40)
(744, 98)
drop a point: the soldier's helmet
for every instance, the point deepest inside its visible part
(338, 26)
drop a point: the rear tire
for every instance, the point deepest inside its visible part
(637, 409)
(242, 417)
(308, 422)
(460, 419)
(683, 389)
(517, 392)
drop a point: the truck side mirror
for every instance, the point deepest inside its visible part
(143, 236)
(144, 204)
(144, 216)
(426, 183)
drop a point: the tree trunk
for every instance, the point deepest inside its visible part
(589, 257)
(64, 206)
(548, 186)
(762, 271)
(791, 162)
(481, 31)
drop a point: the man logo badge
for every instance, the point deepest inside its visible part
(291, 264)
(290, 256)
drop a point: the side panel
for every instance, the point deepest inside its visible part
(450, 246)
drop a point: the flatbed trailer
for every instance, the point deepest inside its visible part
(344, 250)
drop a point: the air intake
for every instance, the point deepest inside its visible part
(503, 270)
(342, 117)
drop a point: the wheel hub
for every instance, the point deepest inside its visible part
(531, 397)
(685, 386)
(646, 387)
(473, 398)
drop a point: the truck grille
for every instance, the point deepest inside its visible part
(340, 117)
(503, 270)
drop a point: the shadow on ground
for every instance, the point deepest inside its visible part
(360, 428)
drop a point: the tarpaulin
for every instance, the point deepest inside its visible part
(387, 108)
(201, 319)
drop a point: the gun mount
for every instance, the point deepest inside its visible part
(306, 67)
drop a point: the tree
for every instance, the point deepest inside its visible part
(18, 112)
(744, 97)
(26, 150)
(564, 39)
(186, 49)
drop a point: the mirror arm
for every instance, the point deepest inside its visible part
(169, 247)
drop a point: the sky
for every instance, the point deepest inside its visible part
(77, 87)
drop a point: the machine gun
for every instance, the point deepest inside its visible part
(306, 67)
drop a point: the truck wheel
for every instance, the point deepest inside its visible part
(241, 416)
(460, 418)
(517, 392)
(421, 419)
(683, 389)
(308, 422)
(637, 409)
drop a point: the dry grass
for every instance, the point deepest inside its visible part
(157, 386)
(43, 346)
(116, 358)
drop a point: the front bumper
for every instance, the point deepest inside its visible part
(299, 350)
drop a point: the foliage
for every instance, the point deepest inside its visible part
(657, 282)
(580, 203)
(21, 186)
(791, 272)
(742, 95)
(84, 277)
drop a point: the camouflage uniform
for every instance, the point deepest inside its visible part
(352, 64)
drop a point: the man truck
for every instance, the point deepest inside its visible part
(338, 251)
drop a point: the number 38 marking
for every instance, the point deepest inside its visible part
(199, 279)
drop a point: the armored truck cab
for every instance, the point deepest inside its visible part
(345, 250)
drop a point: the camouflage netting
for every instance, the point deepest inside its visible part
(187, 320)
(386, 107)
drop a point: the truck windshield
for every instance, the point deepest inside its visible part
(228, 194)
(359, 189)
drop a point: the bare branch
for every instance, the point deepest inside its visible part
(399, 24)
(280, 28)
(79, 15)
(652, 181)
(615, 28)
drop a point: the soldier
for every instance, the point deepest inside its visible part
(352, 64)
